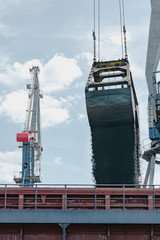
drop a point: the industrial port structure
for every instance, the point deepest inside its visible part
(110, 209)
(30, 137)
(74, 212)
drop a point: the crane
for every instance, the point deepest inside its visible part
(30, 137)
(153, 56)
(112, 110)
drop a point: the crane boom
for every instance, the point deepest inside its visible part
(153, 56)
(153, 53)
(31, 135)
(32, 123)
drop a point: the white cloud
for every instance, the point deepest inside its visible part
(57, 74)
(17, 75)
(10, 162)
(14, 104)
(86, 56)
(81, 116)
(53, 112)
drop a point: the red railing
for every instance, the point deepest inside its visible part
(79, 197)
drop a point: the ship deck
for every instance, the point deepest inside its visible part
(79, 212)
(80, 197)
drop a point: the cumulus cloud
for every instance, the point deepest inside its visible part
(10, 163)
(17, 74)
(13, 106)
(81, 116)
(86, 56)
(57, 74)
(53, 112)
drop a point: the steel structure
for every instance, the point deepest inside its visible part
(31, 135)
(71, 212)
(74, 197)
(79, 232)
(112, 109)
(153, 56)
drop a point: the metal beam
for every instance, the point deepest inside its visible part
(64, 226)
(152, 169)
(147, 174)
(63, 217)
(153, 53)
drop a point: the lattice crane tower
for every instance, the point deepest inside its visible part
(31, 135)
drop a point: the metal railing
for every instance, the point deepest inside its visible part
(79, 197)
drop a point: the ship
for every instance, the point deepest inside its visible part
(34, 211)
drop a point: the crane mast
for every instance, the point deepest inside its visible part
(31, 135)
(153, 57)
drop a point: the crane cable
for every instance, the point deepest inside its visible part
(123, 29)
(94, 31)
(99, 36)
(120, 14)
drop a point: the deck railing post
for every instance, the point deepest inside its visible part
(36, 197)
(5, 199)
(123, 197)
(95, 198)
(65, 200)
(153, 198)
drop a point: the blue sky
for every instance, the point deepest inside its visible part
(57, 36)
